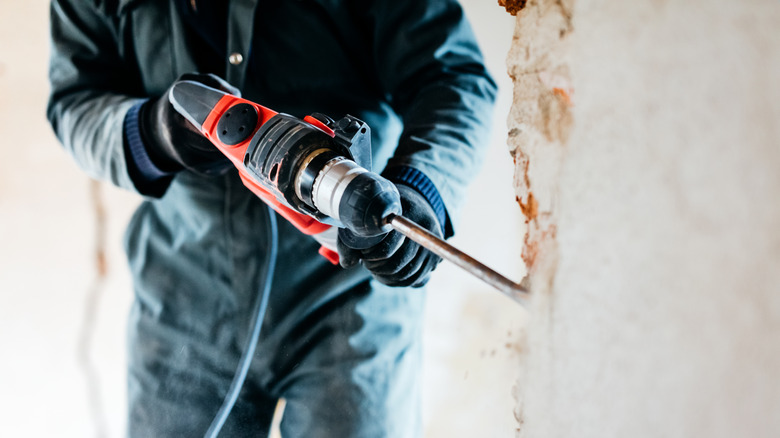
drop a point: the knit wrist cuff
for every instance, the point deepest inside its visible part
(148, 171)
(417, 180)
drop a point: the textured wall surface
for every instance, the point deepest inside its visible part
(646, 138)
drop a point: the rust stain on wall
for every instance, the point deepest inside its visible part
(530, 208)
(533, 248)
(512, 6)
(555, 103)
(563, 94)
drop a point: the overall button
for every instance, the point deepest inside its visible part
(235, 58)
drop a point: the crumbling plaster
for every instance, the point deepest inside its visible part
(647, 149)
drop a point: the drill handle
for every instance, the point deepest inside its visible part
(230, 123)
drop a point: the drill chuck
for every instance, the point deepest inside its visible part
(357, 198)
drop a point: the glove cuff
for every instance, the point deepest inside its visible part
(137, 147)
(147, 177)
(417, 180)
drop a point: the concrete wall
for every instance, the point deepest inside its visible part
(62, 332)
(646, 136)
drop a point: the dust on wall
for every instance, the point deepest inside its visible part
(653, 249)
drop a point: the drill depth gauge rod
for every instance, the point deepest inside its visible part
(316, 173)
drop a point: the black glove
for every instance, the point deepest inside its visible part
(172, 143)
(396, 260)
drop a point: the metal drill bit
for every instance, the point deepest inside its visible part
(448, 252)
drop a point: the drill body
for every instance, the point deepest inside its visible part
(315, 172)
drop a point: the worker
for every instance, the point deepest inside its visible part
(342, 346)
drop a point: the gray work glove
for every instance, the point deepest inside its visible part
(171, 142)
(396, 260)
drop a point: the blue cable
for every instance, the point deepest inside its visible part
(251, 344)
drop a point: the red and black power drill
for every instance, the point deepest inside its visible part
(315, 172)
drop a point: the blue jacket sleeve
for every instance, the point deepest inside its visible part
(431, 68)
(90, 90)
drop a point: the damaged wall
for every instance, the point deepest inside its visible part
(646, 138)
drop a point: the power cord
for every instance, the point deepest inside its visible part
(257, 324)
